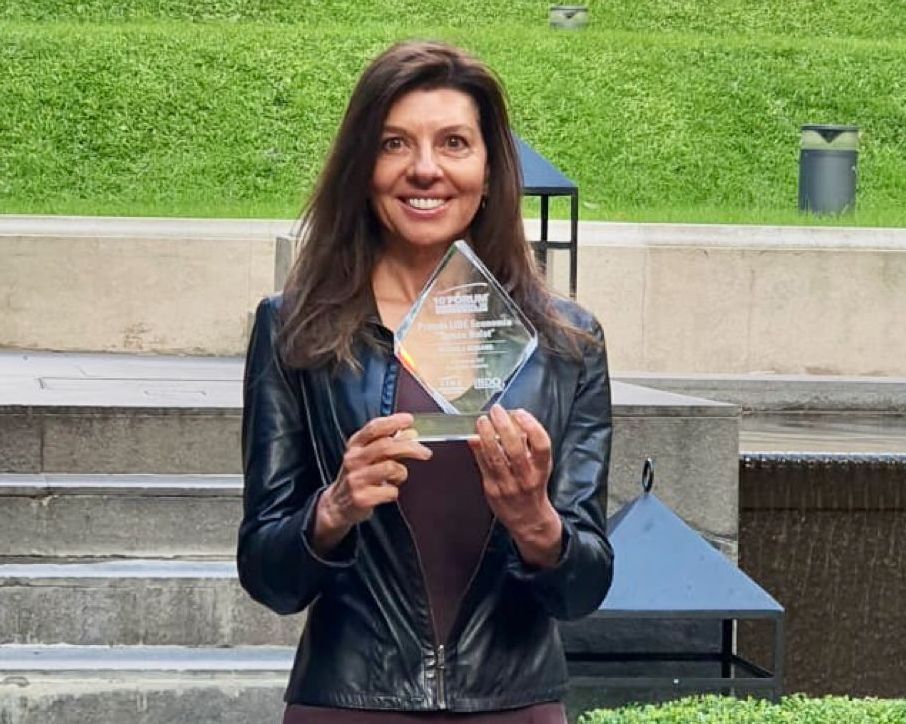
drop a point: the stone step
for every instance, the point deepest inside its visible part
(120, 439)
(94, 413)
(168, 685)
(165, 685)
(67, 659)
(136, 602)
(149, 516)
(142, 685)
(90, 413)
(122, 414)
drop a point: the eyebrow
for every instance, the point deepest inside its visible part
(458, 127)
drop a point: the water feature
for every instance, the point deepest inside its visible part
(823, 528)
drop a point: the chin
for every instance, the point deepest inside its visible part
(431, 241)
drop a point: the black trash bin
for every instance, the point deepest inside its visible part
(828, 158)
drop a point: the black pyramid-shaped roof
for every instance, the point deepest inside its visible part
(663, 567)
(540, 176)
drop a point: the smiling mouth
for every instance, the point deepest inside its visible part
(423, 204)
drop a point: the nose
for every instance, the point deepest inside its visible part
(424, 168)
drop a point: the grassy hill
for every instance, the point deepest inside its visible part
(659, 110)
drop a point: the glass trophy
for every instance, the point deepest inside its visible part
(464, 340)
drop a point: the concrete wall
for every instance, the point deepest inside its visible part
(123, 285)
(745, 299)
(694, 443)
(715, 299)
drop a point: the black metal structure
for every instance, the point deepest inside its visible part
(542, 179)
(667, 626)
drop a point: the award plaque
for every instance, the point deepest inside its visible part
(463, 340)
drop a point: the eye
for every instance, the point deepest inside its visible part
(393, 144)
(455, 142)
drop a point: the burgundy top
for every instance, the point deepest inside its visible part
(444, 505)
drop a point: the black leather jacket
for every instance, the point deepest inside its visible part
(368, 640)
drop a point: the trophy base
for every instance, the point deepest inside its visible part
(441, 427)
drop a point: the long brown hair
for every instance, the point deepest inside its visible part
(327, 298)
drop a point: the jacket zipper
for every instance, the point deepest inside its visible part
(440, 654)
(439, 650)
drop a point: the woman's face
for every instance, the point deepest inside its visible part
(431, 169)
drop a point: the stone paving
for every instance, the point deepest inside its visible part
(101, 380)
(121, 380)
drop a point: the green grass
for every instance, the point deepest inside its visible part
(120, 108)
(797, 18)
(725, 710)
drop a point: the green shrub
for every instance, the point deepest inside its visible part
(726, 710)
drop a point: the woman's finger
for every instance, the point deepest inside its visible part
(380, 427)
(483, 469)
(386, 472)
(495, 459)
(489, 479)
(355, 494)
(512, 440)
(371, 497)
(399, 447)
(539, 442)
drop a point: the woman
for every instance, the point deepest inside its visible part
(433, 575)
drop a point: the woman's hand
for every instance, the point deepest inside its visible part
(370, 475)
(513, 453)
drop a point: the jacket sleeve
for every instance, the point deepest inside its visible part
(277, 564)
(577, 584)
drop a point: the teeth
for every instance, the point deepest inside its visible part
(425, 203)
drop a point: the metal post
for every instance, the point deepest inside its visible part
(541, 247)
(573, 241)
(726, 648)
